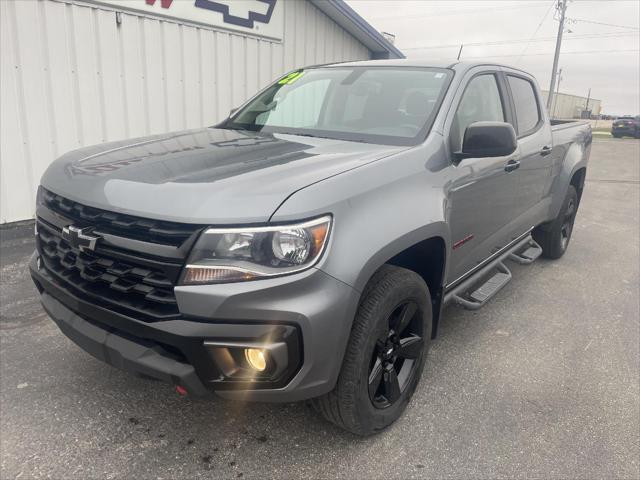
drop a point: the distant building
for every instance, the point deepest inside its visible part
(573, 106)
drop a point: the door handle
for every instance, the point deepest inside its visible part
(546, 150)
(512, 165)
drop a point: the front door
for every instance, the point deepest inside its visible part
(482, 194)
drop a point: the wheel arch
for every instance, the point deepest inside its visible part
(428, 259)
(577, 180)
(424, 254)
(573, 172)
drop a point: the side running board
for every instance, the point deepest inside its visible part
(477, 290)
(486, 291)
(527, 254)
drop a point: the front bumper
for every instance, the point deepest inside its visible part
(311, 312)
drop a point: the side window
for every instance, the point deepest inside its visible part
(480, 102)
(524, 99)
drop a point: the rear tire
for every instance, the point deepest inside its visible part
(555, 236)
(382, 366)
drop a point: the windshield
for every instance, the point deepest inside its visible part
(370, 104)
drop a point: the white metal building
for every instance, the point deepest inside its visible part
(81, 72)
(571, 106)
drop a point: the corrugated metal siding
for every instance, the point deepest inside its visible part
(69, 77)
(571, 106)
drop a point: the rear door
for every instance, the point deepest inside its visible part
(536, 150)
(482, 192)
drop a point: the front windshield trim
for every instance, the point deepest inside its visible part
(347, 135)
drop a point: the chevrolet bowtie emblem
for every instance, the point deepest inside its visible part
(80, 238)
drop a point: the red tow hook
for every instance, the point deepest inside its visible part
(180, 390)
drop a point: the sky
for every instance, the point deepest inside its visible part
(600, 46)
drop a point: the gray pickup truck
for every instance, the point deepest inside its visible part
(304, 248)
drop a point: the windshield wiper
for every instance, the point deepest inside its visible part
(305, 135)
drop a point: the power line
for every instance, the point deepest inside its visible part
(544, 17)
(602, 23)
(523, 40)
(578, 52)
(460, 12)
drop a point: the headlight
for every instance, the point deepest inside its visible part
(223, 255)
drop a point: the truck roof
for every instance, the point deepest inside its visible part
(453, 64)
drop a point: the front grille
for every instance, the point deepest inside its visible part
(128, 281)
(148, 230)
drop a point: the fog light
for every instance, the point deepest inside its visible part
(256, 358)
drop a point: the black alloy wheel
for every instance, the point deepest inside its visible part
(395, 354)
(385, 355)
(554, 236)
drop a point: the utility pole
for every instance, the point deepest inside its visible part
(562, 7)
(556, 94)
(586, 107)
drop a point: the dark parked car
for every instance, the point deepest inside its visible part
(626, 127)
(304, 247)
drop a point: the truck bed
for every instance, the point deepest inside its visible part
(571, 132)
(560, 124)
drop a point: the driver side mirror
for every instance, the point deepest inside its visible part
(488, 139)
(232, 111)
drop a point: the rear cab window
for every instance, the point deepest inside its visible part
(527, 107)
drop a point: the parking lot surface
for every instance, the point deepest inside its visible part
(542, 382)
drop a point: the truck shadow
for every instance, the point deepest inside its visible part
(213, 434)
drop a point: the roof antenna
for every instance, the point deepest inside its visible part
(460, 51)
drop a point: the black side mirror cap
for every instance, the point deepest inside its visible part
(488, 139)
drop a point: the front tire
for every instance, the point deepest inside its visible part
(554, 237)
(385, 355)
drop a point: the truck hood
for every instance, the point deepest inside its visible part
(212, 176)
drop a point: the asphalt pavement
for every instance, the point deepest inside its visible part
(543, 382)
